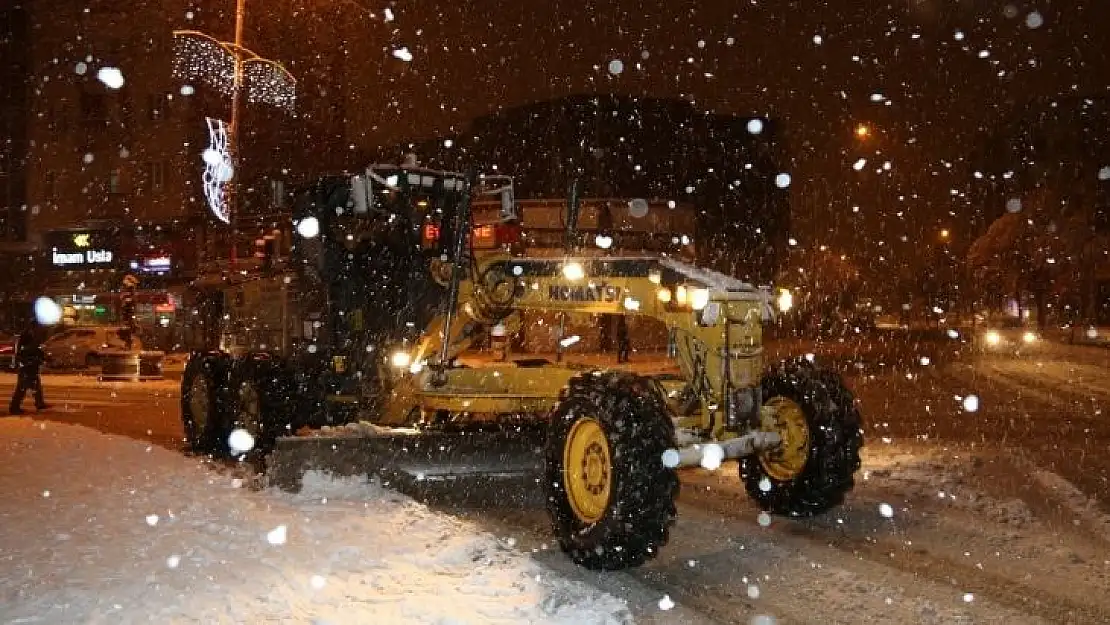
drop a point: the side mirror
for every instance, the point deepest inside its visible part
(508, 204)
(360, 193)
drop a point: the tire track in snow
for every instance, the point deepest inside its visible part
(915, 545)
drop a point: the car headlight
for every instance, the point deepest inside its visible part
(1029, 337)
(993, 338)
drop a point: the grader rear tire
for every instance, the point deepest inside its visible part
(610, 498)
(820, 424)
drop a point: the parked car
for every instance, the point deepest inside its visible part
(7, 350)
(83, 347)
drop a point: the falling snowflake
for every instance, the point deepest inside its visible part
(666, 603)
(671, 458)
(187, 90)
(240, 441)
(81, 68)
(765, 485)
(711, 456)
(616, 66)
(1013, 205)
(173, 561)
(968, 597)
(111, 77)
(818, 40)
(782, 181)
(318, 582)
(152, 519)
(971, 403)
(886, 510)
(764, 519)
(860, 164)
(403, 54)
(1034, 20)
(753, 591)
(1104, 173)
(277, 535)
(755, 126)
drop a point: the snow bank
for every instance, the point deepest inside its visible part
(104, 529)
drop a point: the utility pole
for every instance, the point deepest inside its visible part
(233, 130)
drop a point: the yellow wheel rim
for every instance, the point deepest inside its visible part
(587, 470)
(785, 417)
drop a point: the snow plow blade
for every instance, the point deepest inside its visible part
(408, 457)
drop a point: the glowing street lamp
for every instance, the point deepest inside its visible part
(863, 131)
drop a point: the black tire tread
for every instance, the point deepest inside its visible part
(835, 442)
(639, 428)
(215, 367)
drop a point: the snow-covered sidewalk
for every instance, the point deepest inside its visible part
(105, 529)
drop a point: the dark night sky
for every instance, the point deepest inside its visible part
(750, 56)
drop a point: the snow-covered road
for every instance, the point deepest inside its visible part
(104, 529)
(992, 515)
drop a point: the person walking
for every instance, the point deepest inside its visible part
(28, 359)
(624, 345)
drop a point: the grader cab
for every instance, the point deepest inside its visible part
(607, 444)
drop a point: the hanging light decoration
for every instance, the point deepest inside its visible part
(199, 57)
(218, 169)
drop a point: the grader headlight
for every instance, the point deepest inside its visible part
(400, 359)
(785, 300)
(680, 294)
(573, 271)
(663, 295)
(699, 298)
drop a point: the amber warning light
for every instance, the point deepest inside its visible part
(486, 236)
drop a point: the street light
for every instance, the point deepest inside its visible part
(863, 131)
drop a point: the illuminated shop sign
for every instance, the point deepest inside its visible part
(88, 257)
(153, 264)
(83, 249)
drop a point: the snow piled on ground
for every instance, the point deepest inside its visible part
(106, 529)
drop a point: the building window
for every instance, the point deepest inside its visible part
(157, 175)
(114, 185)
(94, 108)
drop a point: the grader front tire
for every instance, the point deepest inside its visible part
(815, 467)
(610, 498)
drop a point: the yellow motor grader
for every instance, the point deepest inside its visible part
(607, 443)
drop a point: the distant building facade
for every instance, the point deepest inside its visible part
(112, 173)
